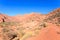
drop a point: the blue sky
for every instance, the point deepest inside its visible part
(13, 7)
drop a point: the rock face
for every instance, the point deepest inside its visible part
(32, 26)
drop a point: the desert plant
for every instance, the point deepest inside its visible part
(43, 24)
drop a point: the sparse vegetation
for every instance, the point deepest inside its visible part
(8, 31)
(43, 24)
(52, 17)
(4, 24)
(20, 31)
(58, 20)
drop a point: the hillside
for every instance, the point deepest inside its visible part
(34, 26)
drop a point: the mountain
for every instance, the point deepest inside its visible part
(34, 26)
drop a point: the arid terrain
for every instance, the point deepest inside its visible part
(34, 26)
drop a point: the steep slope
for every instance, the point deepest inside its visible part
(53, 17)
